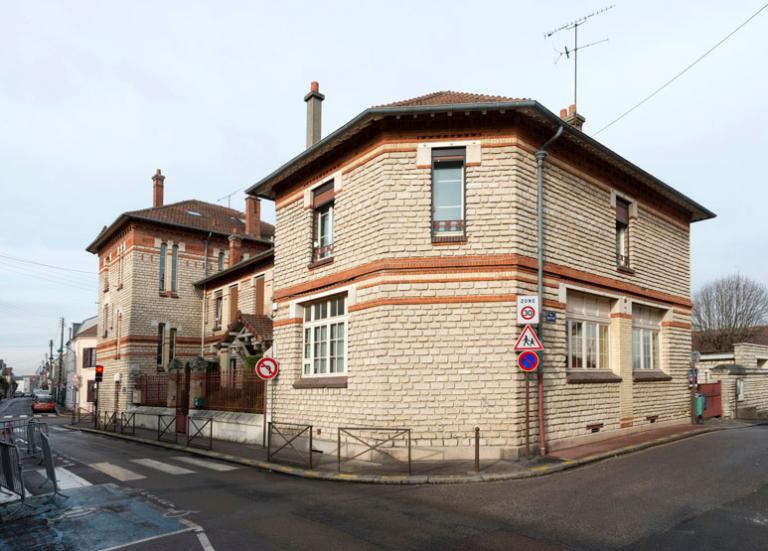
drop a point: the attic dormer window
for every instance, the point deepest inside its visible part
(193, 213)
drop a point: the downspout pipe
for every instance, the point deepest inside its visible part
(541, 156)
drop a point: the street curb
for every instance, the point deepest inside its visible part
(530, 472)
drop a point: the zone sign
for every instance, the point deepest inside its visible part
(527, 310)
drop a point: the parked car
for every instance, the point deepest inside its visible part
(43, 403)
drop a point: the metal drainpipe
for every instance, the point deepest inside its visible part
(541, 155)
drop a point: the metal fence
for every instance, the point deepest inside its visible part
(365, 440)
(241, 391)
(200, 432)
(166, 426)
(153, 389)
(128, 423)
(10, 469)
(284, 438)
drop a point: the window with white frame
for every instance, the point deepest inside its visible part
(323, 212)
(646, 337)
(588, 320)
(448, 190)
(325, 331)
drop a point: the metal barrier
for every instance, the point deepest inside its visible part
(289, 432)
(83, 416)
(35, 431)
(128, 420)
(164, 428)
(196, 427)
(13, 430)
(10, 470)
(110, 421)
(378, 443)
(50, 467)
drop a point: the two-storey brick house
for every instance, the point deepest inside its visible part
(403, 239)
(149, 260)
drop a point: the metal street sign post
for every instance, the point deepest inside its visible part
(528, 361)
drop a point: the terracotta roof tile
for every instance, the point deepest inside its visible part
(200, 215)
(449, 98)
(259, 325)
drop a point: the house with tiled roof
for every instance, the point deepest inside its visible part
(403, 241)
(150, 320)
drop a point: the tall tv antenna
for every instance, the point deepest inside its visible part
(575, 24)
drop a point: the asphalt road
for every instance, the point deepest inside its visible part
(15, 406)
(707, 492)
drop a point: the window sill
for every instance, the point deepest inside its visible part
(625, 270)
(448, 239)
(321, 382)
(586, 376)
(321, 262)
(648, 375)
(169, 294)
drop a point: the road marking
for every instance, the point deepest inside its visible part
(23, 416)
(159, 536)
(204, 542)
(213, 465)
(7, 416)
(66, 480)
(121, 474)
(58, 429)
(160, 466)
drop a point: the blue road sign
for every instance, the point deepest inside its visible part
(528, 360)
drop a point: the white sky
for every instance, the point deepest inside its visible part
(95, 95)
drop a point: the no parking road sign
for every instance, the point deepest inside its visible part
(528, 361)
(267, 368)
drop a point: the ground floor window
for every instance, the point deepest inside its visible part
(588, 318)
(646, 337)
(325, 328)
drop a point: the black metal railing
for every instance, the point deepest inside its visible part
(110, 421)
(283, 438)
(166, 424)
(128, 423)
(200, 432)
(374, 439)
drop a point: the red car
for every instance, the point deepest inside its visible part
(43, 404)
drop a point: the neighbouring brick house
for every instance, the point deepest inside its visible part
(403, 239)
(150, 311)
(82, 356)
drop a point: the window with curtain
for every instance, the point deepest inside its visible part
(325, 323)
(646, 337)
(622, 232)
(323, 226)
(588, 324)
(174, 267)
(448, 191)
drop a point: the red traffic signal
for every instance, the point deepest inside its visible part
(99, 373)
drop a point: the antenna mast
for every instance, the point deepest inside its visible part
(567, 53)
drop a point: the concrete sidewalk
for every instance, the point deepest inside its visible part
(325, 467)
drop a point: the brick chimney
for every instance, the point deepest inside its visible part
(253, 216)
(314, 110)
(572, 117)
(157, 189)
(235, 247)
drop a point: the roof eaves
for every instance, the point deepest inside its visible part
(252, 260)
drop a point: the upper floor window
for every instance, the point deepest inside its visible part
(163, 254)
(448, 211)
(174, 267)
(323, 212)
(258, 295)
(588, 324)
(106, 274)
(118, 334)
(646, 337)
(233, 302)
(325, 348)
(622, 232)
(171, 344)
(105, 321)
(220, 261)
(89, 357)
(120, 262)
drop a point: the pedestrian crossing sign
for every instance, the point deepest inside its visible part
(528, 340)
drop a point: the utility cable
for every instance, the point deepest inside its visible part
(681, 73)
(16, 259)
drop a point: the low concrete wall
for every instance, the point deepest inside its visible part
(247, 428)
(755, 396)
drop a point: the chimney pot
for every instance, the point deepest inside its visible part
(253, 216)
(157, 189)
(572, 108)
(235, 247)
(314, 101)
(563, 113)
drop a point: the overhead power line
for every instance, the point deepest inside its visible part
(681, 73)
(65, 283)
(16, 259)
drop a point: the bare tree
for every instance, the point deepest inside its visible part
(727, 310)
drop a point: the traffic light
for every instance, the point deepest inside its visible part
(99, 373)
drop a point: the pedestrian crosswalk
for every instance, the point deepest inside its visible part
(212, 465)
(139, 469)
(25, 416)
(162, 467)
